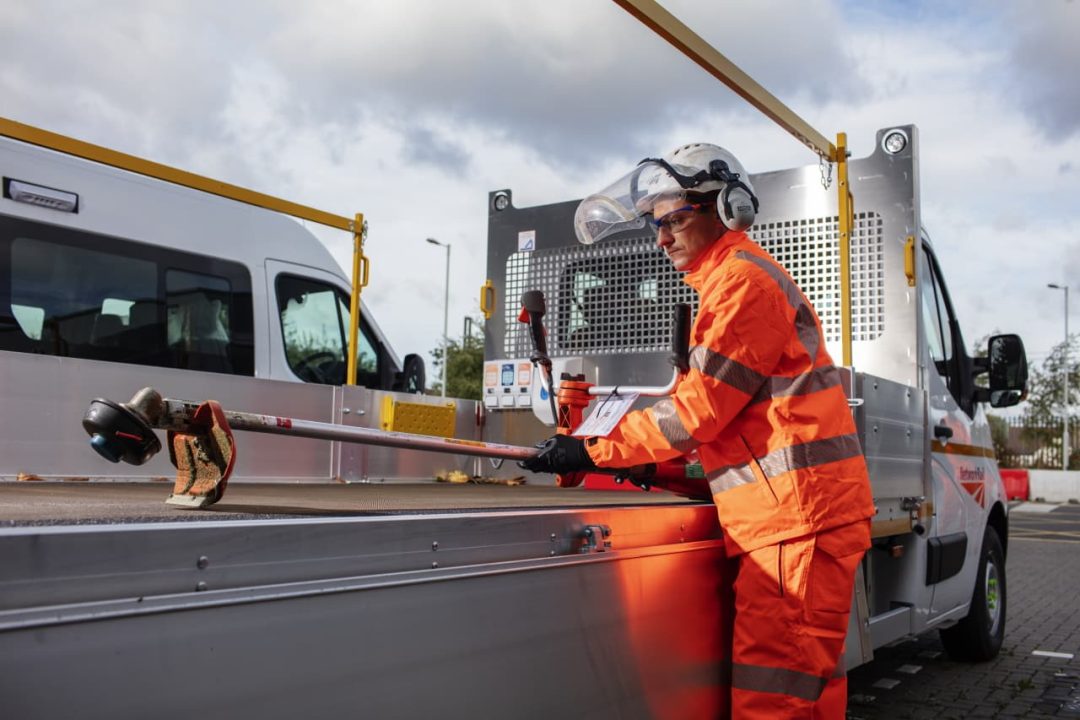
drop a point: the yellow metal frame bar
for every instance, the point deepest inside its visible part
(689, 43)
(663, 23)
(847, 220)
(131, 163)
(359, 282)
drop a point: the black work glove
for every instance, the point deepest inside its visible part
(638, 475)
(560, 454)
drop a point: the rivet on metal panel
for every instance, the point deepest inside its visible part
(435, 545)
(552, 537)
(200, 586)
(434, 565)
(875, 428)
(202, 562)
(345, 411)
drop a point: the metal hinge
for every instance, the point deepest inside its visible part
(595, 539)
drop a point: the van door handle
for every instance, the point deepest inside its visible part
(942, 432)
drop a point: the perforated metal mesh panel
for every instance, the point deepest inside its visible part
(809, 249)
(616, 297)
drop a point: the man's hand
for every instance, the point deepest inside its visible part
(560, 454)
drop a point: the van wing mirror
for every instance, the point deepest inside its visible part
(413, 376)
(1008, 370)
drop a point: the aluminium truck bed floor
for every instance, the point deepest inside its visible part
(86, 503)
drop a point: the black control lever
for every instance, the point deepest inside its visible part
(532, 302)
(680, 338)
(533, 309)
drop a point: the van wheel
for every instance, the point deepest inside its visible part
(978, 636)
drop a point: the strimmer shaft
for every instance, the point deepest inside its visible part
(124, 431)
(178, 414)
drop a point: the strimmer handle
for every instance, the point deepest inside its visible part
(533, 305)
(680, 338)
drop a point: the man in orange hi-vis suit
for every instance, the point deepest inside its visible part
(763, 409)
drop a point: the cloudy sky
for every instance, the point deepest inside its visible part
(411, 111)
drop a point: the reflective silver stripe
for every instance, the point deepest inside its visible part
(805, 327)
(758, 678)
(807, 383)
(778, 462)
(729, 477)
(815, 452)
(728, 371)
(667, 419)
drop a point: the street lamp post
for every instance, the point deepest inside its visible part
(446, 314)
(1065, 381)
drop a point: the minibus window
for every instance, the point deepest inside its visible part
(313, 329)
(76, 294)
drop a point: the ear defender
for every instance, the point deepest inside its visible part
(737, 205)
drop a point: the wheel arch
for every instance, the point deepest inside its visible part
(999, 521)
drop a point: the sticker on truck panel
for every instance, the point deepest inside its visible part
(974, 481)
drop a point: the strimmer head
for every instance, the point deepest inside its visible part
(118, 432)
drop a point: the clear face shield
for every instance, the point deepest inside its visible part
(627, 202)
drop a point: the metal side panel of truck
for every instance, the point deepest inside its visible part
(927, 441)
(511, 613)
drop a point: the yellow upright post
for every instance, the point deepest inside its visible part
(847, 219)
(359, 281)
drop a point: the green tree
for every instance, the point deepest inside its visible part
(1044, 398)
(1045, 405)
(999, 434)
(1042, 410)
(464, 373)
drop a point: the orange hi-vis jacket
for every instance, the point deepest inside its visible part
(762, 406)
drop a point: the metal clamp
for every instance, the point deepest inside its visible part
(595, 539)
(913, 506)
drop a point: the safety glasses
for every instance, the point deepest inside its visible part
(678, 218)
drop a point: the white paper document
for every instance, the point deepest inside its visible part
(606, 415)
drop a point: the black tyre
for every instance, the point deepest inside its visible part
(978, 636)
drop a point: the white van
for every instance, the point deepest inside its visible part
(102, 264)
(110, 279)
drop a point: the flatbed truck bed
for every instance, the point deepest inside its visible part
(375, 600)
(73, 502)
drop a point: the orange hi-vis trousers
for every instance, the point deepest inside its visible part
(792, 602)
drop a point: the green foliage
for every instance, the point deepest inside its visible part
(464, 373)
(1036, 438)
(1044, 398)
(999, 433)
